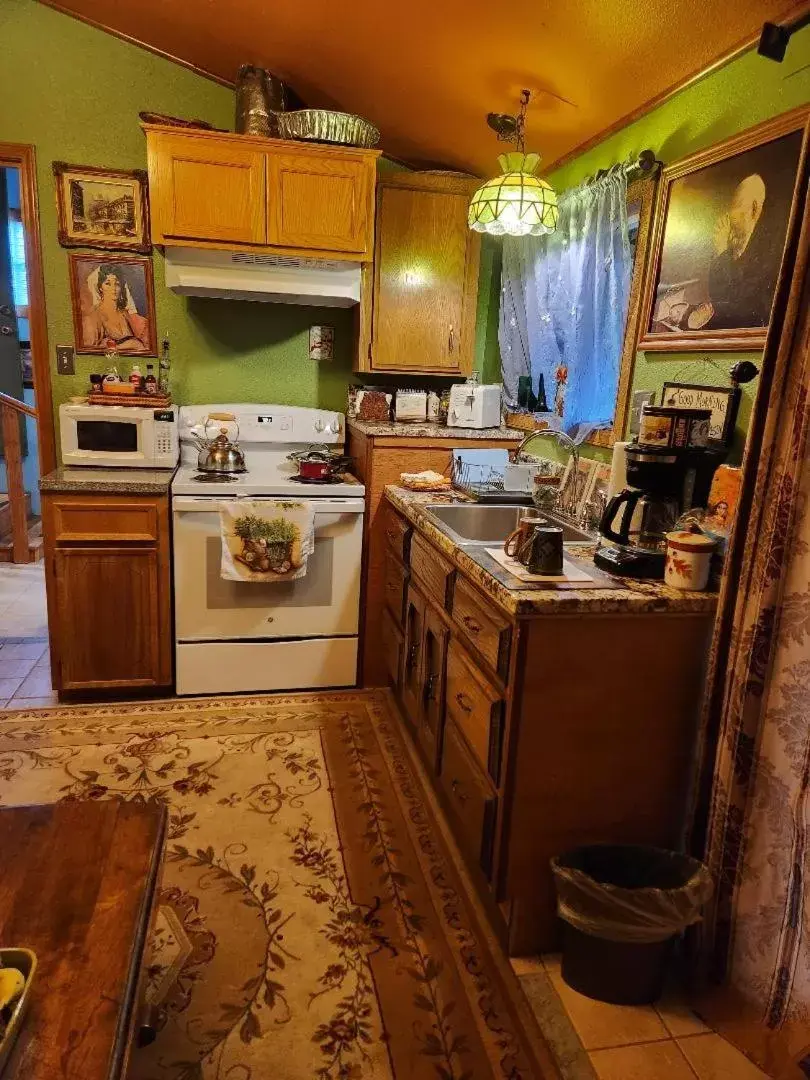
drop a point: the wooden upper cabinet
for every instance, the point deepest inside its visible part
(425, 276)
(321, 201)
(223, 190)
(206, 189)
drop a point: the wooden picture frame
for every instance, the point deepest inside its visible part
(640, 192)
(128, 313)
(726, 207)
(724, 401)
(117, 219)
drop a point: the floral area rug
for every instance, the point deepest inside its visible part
(312, 923)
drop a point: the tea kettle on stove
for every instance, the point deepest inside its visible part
(219, 454)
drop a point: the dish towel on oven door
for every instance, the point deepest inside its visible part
(266, 540)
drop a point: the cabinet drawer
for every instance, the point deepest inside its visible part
(433, 570)
(397, 533)
(470, 797)
(395, 584)
(85, 519)
(483, 626)
(476, 707)
(391, 647)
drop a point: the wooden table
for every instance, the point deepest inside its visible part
(77, 885)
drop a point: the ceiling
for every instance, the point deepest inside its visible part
(426, 72)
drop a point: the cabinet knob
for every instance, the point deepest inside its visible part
(463, 700)
(455, 786)
(430, 687)
(471, 624)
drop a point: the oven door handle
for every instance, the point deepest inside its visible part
(210, 504)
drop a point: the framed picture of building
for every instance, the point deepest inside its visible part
(719, 235)
(102, 208)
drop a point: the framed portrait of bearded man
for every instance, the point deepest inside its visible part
(718, 239)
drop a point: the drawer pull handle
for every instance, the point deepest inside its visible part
(392, 535)
(392, 586)
(430, 687)
(412, 654)
(455, 787)
(471, 624)
(463, 700)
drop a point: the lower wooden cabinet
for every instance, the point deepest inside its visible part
(107, 569)
(539, 732)
(471, 800)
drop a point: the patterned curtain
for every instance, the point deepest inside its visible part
(564, 302)
(752, 820)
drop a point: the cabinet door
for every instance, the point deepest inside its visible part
(412, 656)
(431, 712)
(320, 201)
(425, 290)
(203, 188)
(107, 617)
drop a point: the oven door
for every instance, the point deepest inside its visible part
(323, 603)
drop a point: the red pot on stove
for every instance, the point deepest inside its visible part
(320, 465)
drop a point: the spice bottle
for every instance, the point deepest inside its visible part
(136, 378)
(150, 382)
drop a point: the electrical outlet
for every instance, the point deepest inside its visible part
(65, 360)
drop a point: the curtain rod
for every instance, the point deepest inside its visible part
(646, 164)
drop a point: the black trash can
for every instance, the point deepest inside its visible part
(622, 907)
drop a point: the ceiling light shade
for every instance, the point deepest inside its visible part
(516, 203)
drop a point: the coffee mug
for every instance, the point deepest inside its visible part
(515, 540)
(542, 553)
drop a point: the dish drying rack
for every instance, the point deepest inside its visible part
(483, 483)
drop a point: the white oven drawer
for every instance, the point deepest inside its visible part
(324, 603)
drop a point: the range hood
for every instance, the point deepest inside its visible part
(277, 279)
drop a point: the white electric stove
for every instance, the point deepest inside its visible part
(234, 636)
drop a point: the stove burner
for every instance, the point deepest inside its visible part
(316, 480)
(214, 478)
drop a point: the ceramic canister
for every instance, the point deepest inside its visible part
(689, 555)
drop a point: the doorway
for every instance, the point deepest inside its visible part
(27, 448)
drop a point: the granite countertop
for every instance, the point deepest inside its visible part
(619, 595)
(108, 481)
(432, 431)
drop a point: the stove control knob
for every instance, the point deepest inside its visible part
(319, 425)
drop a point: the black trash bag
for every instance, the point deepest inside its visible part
(630, 893)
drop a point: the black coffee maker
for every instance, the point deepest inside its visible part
(663, 483)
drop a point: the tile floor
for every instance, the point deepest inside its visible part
(662, 1042)
(25, 672)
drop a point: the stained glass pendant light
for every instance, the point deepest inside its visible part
(516, 203)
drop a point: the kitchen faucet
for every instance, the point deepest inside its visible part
(572, 500)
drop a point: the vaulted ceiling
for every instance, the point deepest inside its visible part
(426, 72)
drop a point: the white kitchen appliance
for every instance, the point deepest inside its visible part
(279, 279)
(233, 636)
(126, 436)
(474, 406)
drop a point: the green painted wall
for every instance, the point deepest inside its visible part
(75, 93)
(739, 95)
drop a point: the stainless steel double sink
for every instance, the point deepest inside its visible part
(481, 523)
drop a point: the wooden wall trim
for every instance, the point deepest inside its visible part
(792, 11)
(22, 156)
(131, 40)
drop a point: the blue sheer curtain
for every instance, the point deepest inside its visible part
(564, 302)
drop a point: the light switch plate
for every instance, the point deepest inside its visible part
(65, 360)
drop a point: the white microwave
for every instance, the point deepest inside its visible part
(130, 437)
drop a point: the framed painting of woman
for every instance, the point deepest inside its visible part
(113, 304)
